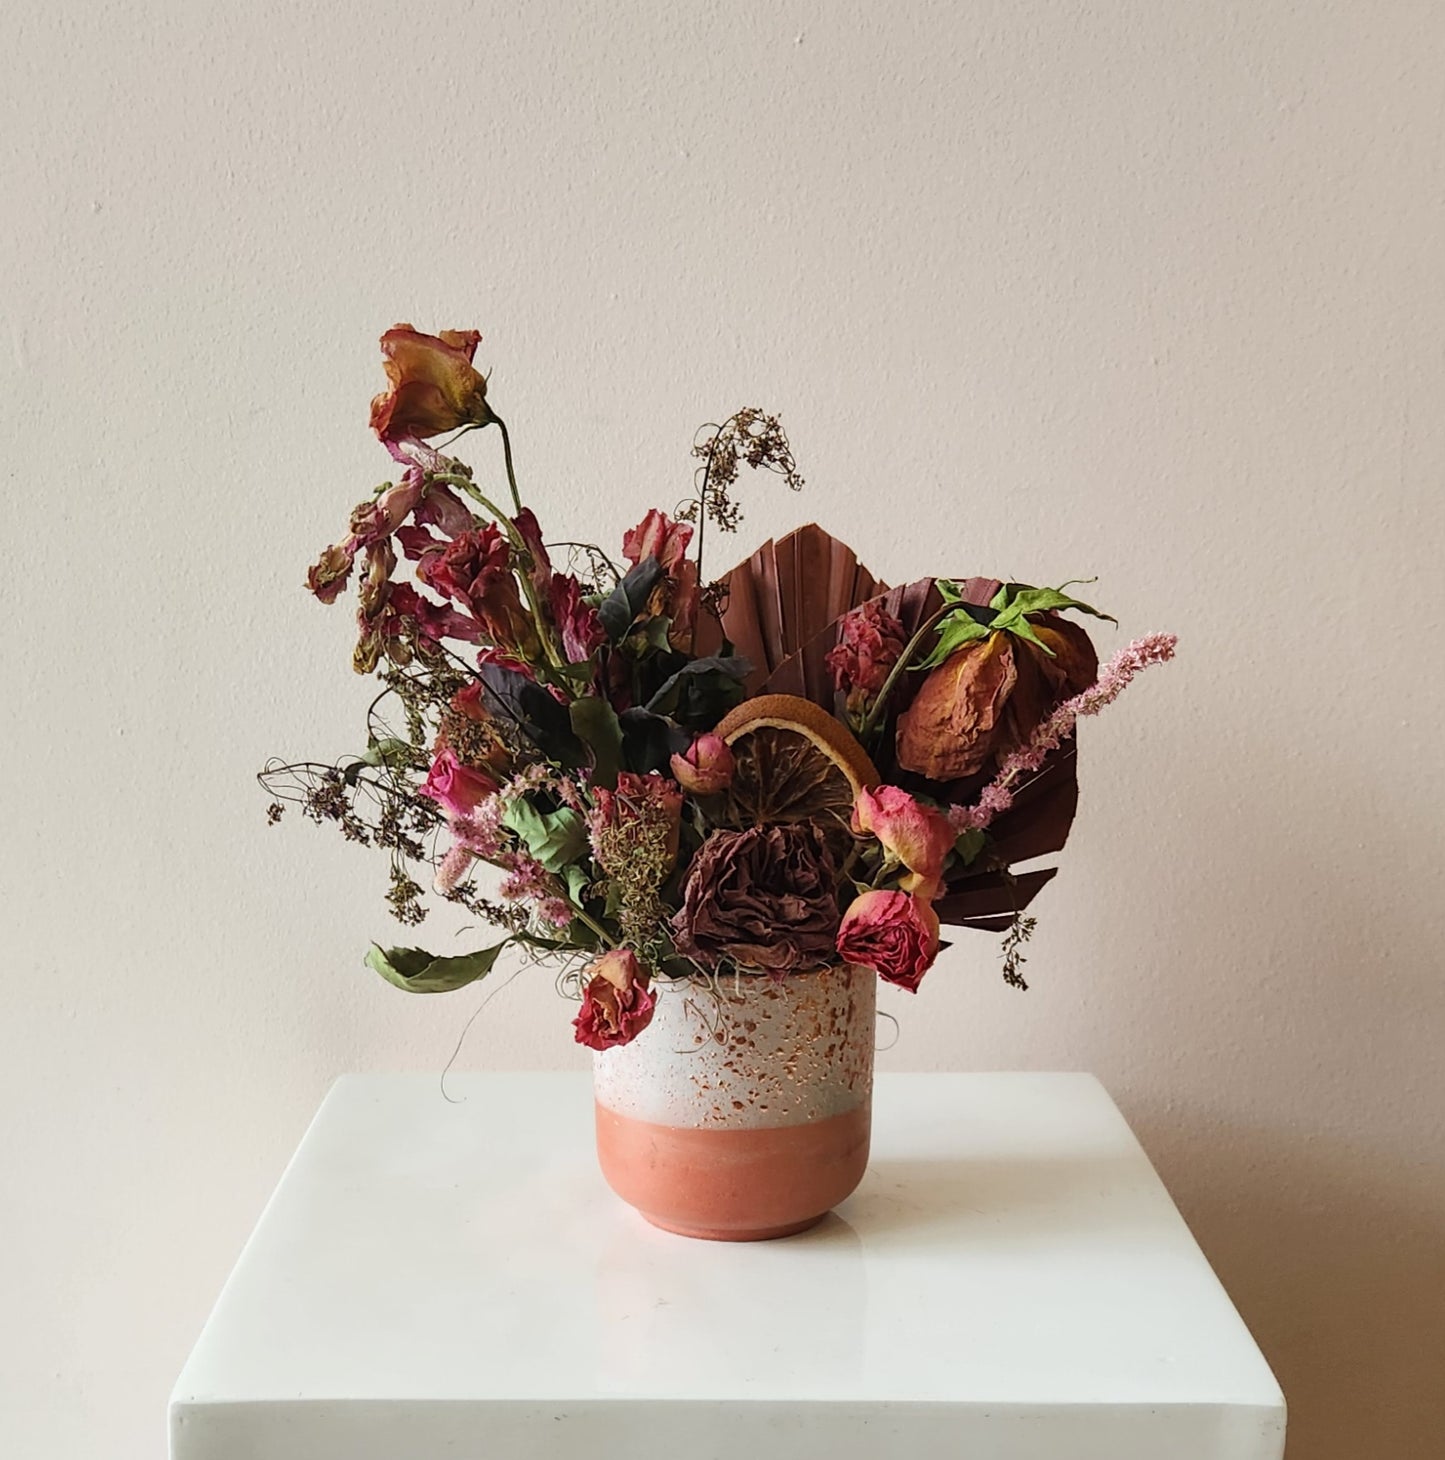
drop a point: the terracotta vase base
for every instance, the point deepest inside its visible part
(717, 1234)
(730, 1185)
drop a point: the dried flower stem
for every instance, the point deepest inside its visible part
(507, 460)
(904, 660)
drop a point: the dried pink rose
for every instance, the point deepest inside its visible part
(915, 834)
(617, 1004)
(457, 788)
(894, 933)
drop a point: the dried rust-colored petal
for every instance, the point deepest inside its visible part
(952, 727)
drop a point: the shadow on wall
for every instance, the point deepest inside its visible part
(1336, 1259)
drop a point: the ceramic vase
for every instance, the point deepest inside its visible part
(743, 1111)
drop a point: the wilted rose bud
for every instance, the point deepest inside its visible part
(706, 768)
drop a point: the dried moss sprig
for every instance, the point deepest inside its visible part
(637, 852)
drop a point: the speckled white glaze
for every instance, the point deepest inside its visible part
(756, 1053)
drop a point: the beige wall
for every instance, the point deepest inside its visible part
(1145, 290)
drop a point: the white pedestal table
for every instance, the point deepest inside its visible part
(436, 1281)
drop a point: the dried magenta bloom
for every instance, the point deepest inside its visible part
(870, 642)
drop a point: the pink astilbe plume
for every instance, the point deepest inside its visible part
(996, 797)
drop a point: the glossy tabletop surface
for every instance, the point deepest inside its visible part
(430, 1276)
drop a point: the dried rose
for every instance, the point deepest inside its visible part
(914, 834)
(870, 643)
(459, 789)
(987, 698)
(617, 1004)
(894, 933)
(764, 897)
(434, 387)
(658, 536)
(707, 766)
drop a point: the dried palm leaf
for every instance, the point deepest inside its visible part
(787, 595)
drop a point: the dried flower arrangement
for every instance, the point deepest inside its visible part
(789, 766)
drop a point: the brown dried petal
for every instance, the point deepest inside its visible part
(951, 728)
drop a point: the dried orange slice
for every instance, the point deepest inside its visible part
(795, 762)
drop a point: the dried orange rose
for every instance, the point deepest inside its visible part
(434, 387)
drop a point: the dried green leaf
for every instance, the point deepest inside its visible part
(595, 724)
(554, 838)
(420, 972)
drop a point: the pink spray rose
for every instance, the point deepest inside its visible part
(617, 1004)
(870, 641)
(455, 787)
(917, 835)
(894, 933)
(706, 768)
